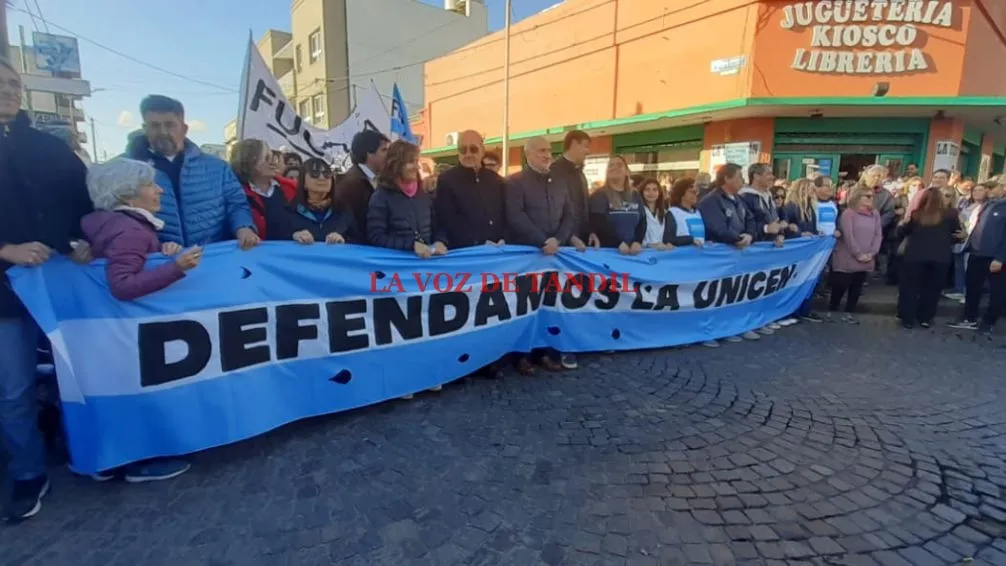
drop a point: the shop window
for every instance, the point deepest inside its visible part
(664, 164)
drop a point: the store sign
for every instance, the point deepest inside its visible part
(595, 169)
(861, 37)
(740, 153)
(56, 53)
(947, 154)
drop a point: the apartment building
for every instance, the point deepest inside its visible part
(335, 48)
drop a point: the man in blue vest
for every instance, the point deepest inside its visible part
(203, 201)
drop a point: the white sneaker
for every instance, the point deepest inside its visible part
(775, 326)
(734, 339)
(788, 322)
(749, 335)
(767, 331)
(407, 397)
(437, 388)
(711, 344)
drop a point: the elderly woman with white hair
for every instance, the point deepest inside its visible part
(123, 229)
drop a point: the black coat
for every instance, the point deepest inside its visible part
(470, 206)
(538, 209)
(295, 217)
(354, 191)
(931, 243)
(43, 191)
(566, 172)
(397, 222)
(726, 218)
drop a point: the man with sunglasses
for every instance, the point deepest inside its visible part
(44, 195)
(469, 202)
(368, 151)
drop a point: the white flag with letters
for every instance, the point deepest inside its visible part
(267, 115)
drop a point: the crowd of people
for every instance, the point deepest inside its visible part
(165, 196)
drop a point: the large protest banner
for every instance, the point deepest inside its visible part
(253, 340)
(266, 114)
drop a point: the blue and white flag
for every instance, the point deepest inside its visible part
(250, 341)
(400, 117)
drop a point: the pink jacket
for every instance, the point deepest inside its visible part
(862, 233)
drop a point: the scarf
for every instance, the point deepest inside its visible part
(154, 221)
(409, 189)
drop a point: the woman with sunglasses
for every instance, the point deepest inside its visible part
(315, 215)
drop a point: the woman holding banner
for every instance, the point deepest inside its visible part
(400, 215)
(617, 212)
(257, 168)
(315, 215)
(123, 230)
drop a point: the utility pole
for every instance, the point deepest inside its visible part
(24, 66)
(4, 42)
(94, 141)
(505, 158)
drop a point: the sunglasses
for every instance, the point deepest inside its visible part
(469, 149)
(320, 173)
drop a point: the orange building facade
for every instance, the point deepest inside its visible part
(679, 87)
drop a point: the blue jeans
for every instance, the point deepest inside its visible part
(960, 261)
(19, 431)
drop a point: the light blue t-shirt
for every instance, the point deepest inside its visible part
(827, 217)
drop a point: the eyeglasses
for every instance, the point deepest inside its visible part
(319, 174)
(469, 149)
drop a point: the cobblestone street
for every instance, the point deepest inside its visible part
(823, 444)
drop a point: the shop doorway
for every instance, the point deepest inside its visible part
(851, 166)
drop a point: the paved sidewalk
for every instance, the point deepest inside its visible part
(822, 444)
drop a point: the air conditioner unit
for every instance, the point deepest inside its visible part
(451, 139)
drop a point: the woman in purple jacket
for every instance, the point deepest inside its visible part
(123, 229)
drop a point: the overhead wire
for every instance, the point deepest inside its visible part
(41, 17)
(130, 57)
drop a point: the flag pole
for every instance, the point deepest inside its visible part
(243, 93)
(505, 158)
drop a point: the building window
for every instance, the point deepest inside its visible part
(298, 58)
(314, 44)
(318, 101)
(304, 109)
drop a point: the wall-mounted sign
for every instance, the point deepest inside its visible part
(728, 66)
(740, 153)
(947, 153)
(56, 53)
(861, 37)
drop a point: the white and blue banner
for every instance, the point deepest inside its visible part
(250, 341)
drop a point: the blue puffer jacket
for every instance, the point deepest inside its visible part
(212, 203)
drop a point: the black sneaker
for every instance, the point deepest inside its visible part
(812, 317)
(26, 498)
(964, 325)
(907, 325)
(985, 330)
(926, 324)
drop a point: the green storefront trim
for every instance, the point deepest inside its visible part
(795, 124)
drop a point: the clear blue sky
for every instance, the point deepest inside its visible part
(200, 39)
